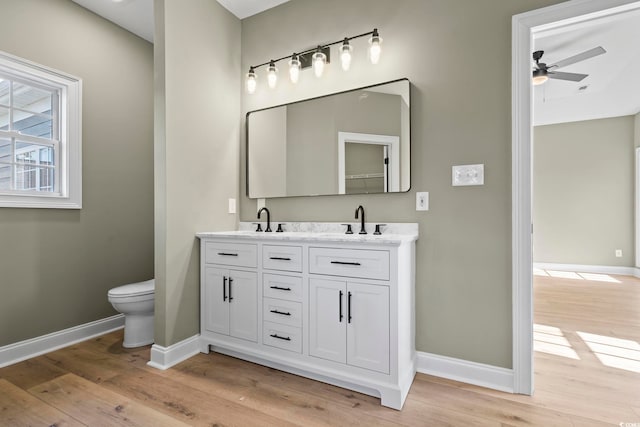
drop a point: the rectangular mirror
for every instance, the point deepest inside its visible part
(354, 142)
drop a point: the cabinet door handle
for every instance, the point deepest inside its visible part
(348, 307)
(279, 258)
(345, 263)
(230, 282)
(226, 254)
(279, 288)
(279, 337)
(281, 312)
(224, 288)
(340, 316)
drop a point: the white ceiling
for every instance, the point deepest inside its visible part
(613, 85)
(245, 8)
(137, 15)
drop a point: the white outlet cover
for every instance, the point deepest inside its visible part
(422, 201)
(467, 175)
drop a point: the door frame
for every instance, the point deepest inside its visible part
(391, 141)
(524, 27)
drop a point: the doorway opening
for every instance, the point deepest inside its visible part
(524, 27)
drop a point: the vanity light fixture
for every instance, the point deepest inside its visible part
(294, 68)
(251, 80)
(375, 48)
(345, 54)
(272, 75)
(317, 58)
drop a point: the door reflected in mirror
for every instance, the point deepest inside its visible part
(355, 142)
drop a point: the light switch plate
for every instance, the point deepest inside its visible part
(422, 201)
(232, 206)
(467, 175)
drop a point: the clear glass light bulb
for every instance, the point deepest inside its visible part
(319, 59)
(251, 81)
(375, 48)
(272, 75)
(345, 55)
(294, 69)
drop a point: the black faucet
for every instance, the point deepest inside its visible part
(268, 229)
(361, 210)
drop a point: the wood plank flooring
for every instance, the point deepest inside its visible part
(587, 367)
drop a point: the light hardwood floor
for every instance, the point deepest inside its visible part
(99, 383)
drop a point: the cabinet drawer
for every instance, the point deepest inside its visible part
(285, 258)
(282, 336)
(283, 312)
(282, 287)
(236, 254)
(362, 263)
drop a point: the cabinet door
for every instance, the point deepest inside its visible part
(243, 305)
(368, 327)
(327, 330)
(216, 304)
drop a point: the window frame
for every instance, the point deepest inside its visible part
(68, 155)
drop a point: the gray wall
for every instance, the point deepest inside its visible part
(583, 192)
(197, 132)
(463, 283)
(57, 265)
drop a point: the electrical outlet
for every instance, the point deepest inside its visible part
(232, 206)
(618, 253)
(422, 201)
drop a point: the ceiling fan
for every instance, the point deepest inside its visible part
(543, 72)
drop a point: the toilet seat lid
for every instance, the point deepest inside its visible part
(134, 289)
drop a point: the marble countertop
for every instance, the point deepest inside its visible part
(392, 234)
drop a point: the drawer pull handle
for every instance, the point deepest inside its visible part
(226, 254)
(279, 288)
(279, 258)
(345, 263)
(281, 312)
(279, 337)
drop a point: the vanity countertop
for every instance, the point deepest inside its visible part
(394, 234)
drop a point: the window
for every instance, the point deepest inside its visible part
(40, 136)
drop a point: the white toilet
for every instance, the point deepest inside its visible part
(136, 302)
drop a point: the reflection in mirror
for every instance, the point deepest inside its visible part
(355, 142)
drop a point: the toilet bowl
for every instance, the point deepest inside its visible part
(136, 302)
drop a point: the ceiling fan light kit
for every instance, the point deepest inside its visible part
(543, 72)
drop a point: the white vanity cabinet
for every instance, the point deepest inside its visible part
(332, 307)
(231, 297)
(349, 323)
(229, 289)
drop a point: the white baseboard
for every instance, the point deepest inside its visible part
(22, 350)
(467, 372)
(583, 268)
(165, 357)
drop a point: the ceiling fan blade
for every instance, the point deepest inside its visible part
(579, 57)
(573, 77)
